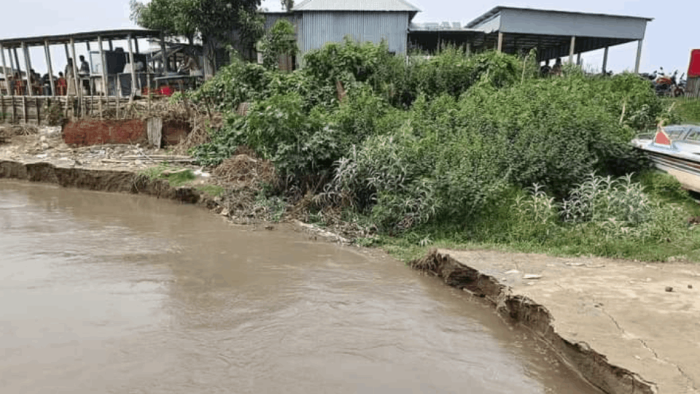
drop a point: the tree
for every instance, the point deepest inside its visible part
(205, 19)
(287, 5)
(280, 40)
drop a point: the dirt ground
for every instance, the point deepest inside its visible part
(644, 318)
(45, 144)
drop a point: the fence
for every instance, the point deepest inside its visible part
(692, 88)
(45, 109)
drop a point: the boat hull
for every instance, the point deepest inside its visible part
(686, 171)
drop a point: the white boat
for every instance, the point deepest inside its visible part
(676, 151)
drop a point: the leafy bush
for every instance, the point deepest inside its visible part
(280, 40)
(603, 199)
(234, 84)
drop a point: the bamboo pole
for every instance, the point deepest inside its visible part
(28, 66)
(105, 79)
(12, 71)
(605, 60)
(4, 74)
(133, 70)
(78, 90)
(162, 52)
(572, 49)
(119, 94)
(19, 68)
(50, 67)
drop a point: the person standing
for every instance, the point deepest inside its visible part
(84, 74)
(70, 78)
(61, 85)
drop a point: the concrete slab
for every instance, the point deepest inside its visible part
(620, 309)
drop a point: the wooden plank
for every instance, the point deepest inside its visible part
(50, 67)
(154, 129)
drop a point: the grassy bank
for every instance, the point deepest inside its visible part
(455, 150)
(687, 109)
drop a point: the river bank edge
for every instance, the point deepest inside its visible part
(590, 364)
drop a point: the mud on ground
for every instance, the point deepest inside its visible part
(628, 327)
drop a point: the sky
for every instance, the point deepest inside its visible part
(669, 37)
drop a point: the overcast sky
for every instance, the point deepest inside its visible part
(669, 38)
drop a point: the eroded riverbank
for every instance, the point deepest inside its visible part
(629, 327)
(122, 293)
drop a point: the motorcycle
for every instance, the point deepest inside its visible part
(665, 85)
(680, 88)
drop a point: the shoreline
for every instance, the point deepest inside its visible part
(631, 337)
(595, 366)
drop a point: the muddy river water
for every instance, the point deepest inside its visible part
(106, 293)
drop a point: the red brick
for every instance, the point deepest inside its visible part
(95, 132)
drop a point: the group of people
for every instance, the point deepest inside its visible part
(64, 84)
(545, 70)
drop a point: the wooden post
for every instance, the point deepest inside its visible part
(578, 59)
(87, 43)
(28, 66)
(500, 42)
(119, 93)
(7, 84)
(4, 74)
(65, 46)
(469, 48)
(78, 90)
(19, 68)
(24, 109)
(50, 67)
(572, 49)
(136, 45)
(639, 56)
(12, 70)
(111, 47)
(148, 84)
(605, 60)
(162, 52)
(133, 69)
(105, 80)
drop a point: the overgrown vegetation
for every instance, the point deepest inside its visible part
(176, 177)
(688, 110)
(445, 150)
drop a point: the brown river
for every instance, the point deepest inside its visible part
(107, 293)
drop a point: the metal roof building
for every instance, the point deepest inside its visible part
(554, 34)
(322, 21)
(558, 33)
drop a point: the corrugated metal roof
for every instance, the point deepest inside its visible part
(496, 10)
(356, 5)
